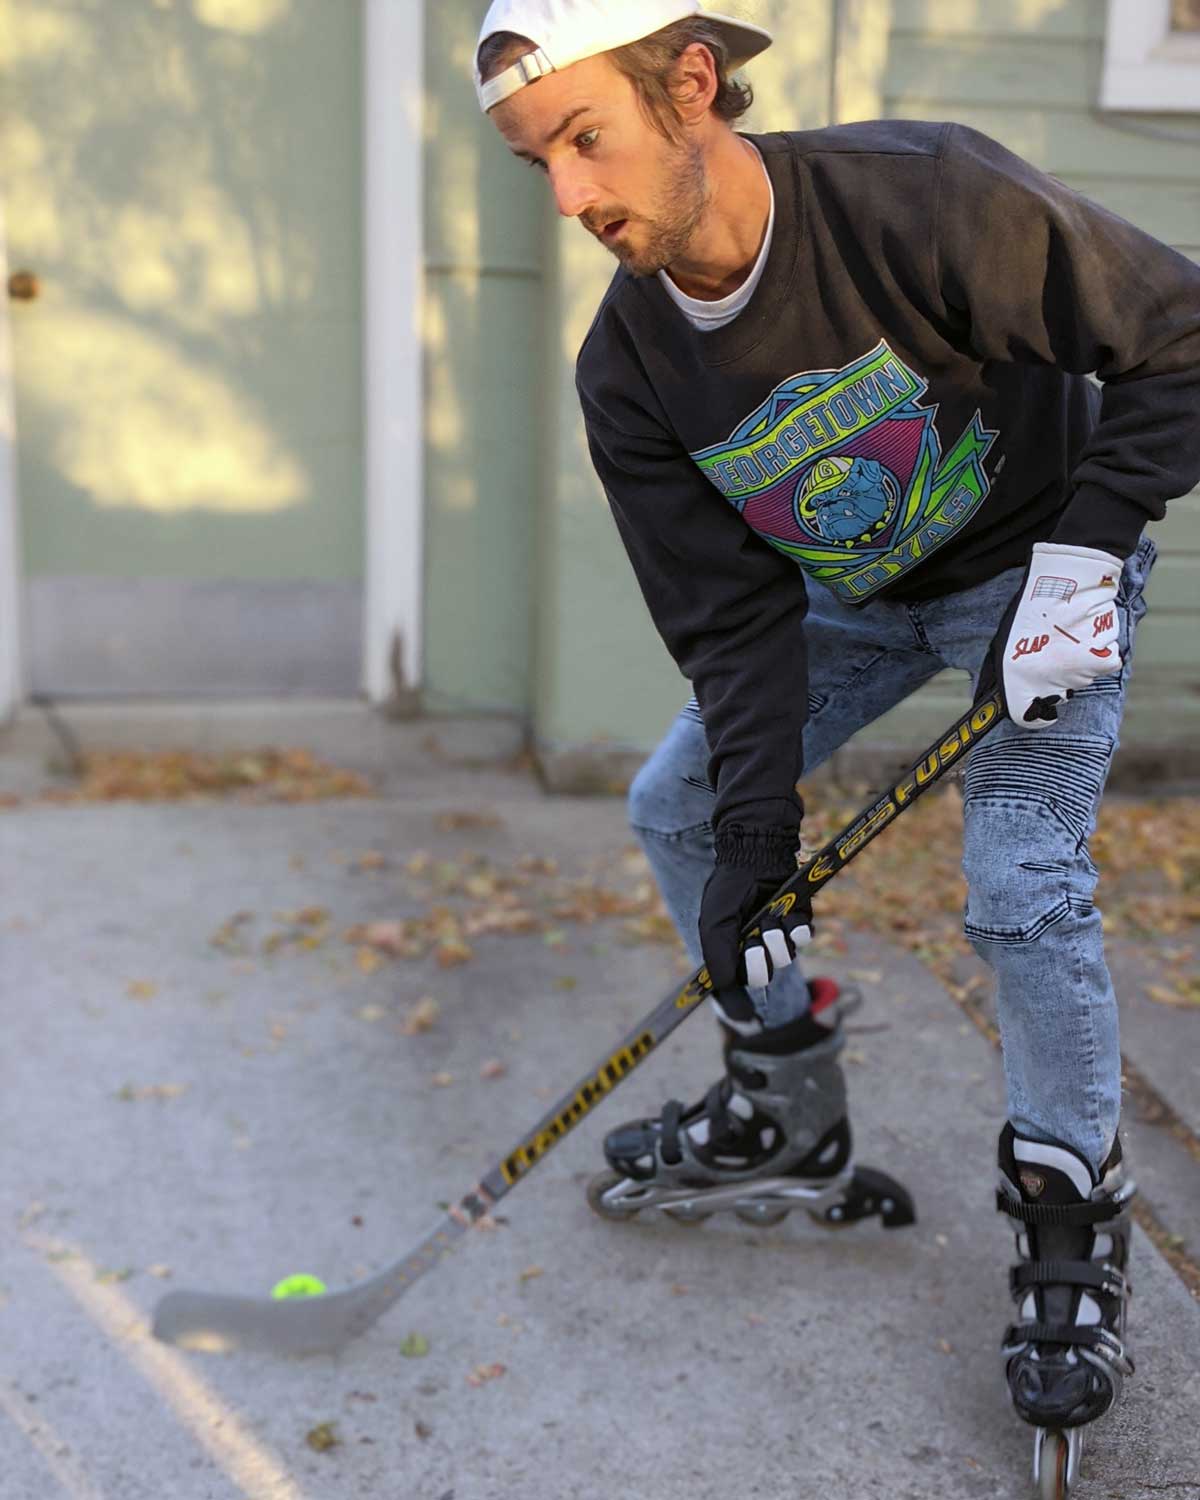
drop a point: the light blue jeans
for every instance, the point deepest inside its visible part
(1030, 801)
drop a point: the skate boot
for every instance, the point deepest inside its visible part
(769, 1137)
(1066, 1359)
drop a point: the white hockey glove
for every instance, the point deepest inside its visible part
(1063, 633)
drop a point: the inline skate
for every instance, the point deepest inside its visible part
(1066, 1360)
(770, 1136)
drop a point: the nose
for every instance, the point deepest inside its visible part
(572, 193)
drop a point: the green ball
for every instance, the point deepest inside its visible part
(298, 1286)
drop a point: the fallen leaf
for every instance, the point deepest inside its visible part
(415, 1346)
(566, 982)
(372, 1013)
(493, 1068)
(111, 1278)
(531, 1273)
(422, 1430)
(368, 961)
(323, 1437)
(229, 935)
(422, 1017)
(483, 1373)
(1175, 997)
(162, 1272)
(141, 989)
(372, 859)
(449, 955)
(448, 822)
(513, 921)
(130, 1093)
(389, 936)
(442, 1080)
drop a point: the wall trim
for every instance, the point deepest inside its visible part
(1147, 67)
(12, 672)
(393, 299)
(862, 32)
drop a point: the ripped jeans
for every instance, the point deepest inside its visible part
(1030, 799)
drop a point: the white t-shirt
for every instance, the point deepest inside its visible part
(708, 316)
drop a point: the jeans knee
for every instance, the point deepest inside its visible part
(1029, 802)
(668, 799)
(1024, 876)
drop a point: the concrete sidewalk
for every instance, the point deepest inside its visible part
(179, 1112)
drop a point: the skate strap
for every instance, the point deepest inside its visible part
(1066, 1215)
(1036, 1274)
(671, 1116)
(1072, 1335)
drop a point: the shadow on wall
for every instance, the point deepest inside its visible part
(164, 179)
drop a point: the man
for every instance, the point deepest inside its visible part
(837, 395)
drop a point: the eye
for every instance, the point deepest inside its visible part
(587, 139)
(535, 162)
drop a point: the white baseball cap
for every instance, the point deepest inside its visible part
(567, 31)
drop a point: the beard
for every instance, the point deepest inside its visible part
(653, 240)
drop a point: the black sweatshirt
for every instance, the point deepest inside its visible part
(902, 410)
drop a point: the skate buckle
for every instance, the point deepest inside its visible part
(1115, 1284)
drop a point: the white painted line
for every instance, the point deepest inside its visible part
(54, 1450)
(257, 1470)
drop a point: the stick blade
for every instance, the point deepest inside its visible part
(214, 1323)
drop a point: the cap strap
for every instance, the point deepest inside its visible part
(527, 69)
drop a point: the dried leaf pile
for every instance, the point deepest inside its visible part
(909, 887)
(266, 775)
(472, 897)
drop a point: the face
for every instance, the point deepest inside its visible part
(641, 195)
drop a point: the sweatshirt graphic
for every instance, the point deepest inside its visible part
(950, 357)
(843, 471)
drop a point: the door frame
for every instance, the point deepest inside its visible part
(393, 73)
(393, 348)
(12, 645)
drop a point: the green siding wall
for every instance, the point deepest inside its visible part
(486, 237)
(1029, 75)
(528, 585)
(604, 677)
(186, 181)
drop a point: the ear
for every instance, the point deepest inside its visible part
(695, 83)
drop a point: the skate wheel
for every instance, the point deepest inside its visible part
(600, 1184)
(689, 1218)
(832, 1218)
(1056, 1457)
(762, 1215)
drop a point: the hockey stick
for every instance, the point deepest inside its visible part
(307, 1325)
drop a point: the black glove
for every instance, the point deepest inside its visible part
(733, 894)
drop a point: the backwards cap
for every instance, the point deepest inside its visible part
(567, 31)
